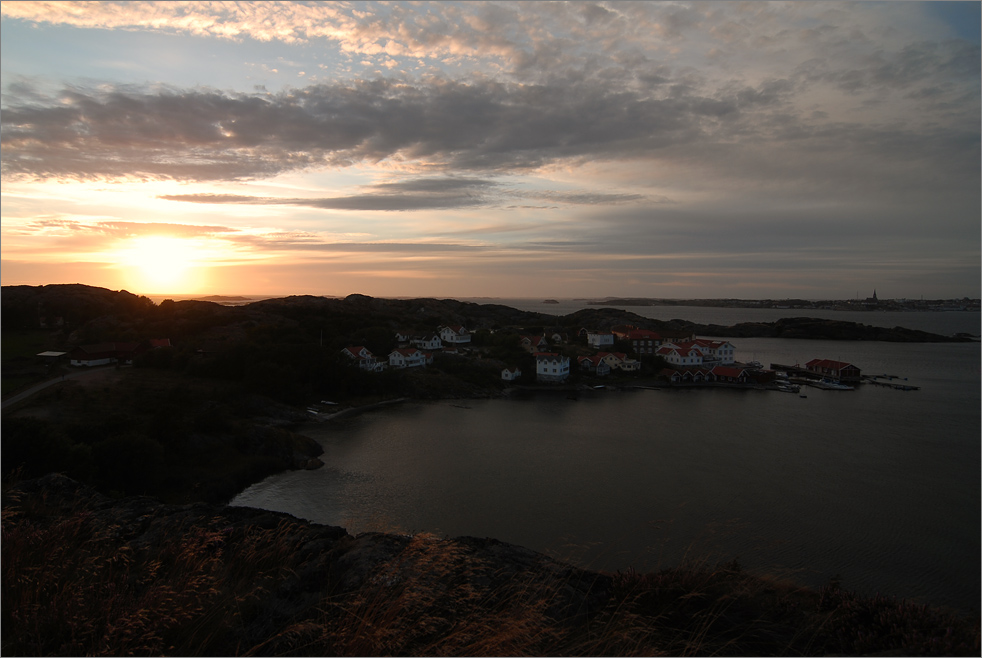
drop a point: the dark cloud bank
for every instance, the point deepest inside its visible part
(484, 125)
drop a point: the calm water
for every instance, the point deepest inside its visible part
(877, 486)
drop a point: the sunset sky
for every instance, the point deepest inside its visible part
(659, 149)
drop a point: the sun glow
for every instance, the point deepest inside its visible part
(158, 264)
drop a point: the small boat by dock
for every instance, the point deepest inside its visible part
(831, 385)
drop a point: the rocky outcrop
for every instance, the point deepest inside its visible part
(85, 574)
(287, 570)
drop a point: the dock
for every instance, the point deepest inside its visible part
(800, 375)
(875, 381)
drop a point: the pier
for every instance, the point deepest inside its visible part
(802, 376)
(875, 381)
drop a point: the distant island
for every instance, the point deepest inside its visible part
(224, 299)
(550, 301)
(868, 304)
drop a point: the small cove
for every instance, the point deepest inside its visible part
(876, 486)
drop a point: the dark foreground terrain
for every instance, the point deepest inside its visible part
(84, 574)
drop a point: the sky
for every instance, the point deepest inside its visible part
(747, 150)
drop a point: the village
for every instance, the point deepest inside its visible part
(673, 358)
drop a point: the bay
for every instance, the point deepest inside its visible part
(876, 486)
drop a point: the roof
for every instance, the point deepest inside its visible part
(104, 351)
(702, 342)
(99, 348)
(407, 351)
(682, 349)
(726, 371)
(828, 363)
(617, 355)
(160, 342)
(643, 334)
(52, 354)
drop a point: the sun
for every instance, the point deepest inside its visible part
(159, 264)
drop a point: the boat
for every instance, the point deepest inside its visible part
(831, 385)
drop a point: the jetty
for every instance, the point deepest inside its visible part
(800, 375)
(875, 381)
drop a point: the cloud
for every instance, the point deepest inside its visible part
(420, 194)
(381, 202)
(414, 194)
(486, 126)
(120, 229)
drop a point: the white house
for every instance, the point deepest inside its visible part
(455, 335)
(620, 360)
(408, 357)
(426, 342)
(679, 355)
(719, 351)
(642, 340)
(551, 367)
(698, 352)
(511, 374)
(103, 353)
(599, 339)
(364, 357)
(595, 364)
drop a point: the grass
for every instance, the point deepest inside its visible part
(70, 587)
(73, 584)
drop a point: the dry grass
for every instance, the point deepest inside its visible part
(72, 586)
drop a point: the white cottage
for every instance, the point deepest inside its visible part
(426, 342)
(364, 358)
(455, 335)
(599, 339)
(408, 357)
(511, 374)
(551, 367)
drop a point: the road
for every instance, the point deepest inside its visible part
(75, 374)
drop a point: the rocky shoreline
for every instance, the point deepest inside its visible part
(85, 574)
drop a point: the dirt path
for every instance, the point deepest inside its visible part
(87, 376)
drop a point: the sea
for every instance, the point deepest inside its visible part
(876, 487)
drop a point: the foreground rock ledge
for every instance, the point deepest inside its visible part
(84, 574)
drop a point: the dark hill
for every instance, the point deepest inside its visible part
(78, 304)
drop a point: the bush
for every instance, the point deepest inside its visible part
(129, 463)
(36, 448)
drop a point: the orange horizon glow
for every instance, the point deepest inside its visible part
(160, 264)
